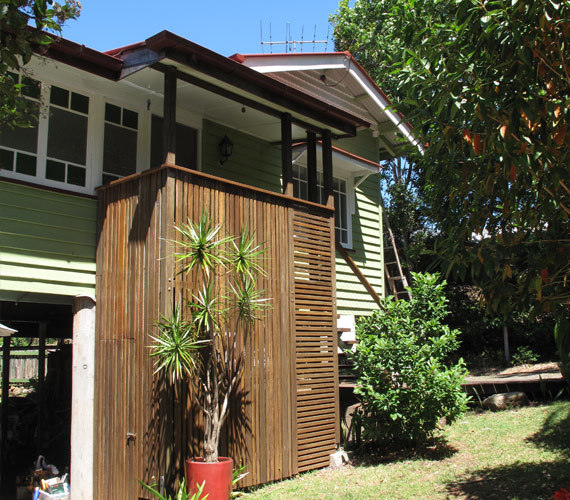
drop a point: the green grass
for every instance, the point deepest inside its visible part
(520, 454)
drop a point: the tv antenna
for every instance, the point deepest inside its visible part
(291, 45)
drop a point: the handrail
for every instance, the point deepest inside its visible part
(289, 199)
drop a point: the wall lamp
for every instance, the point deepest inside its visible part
(226, 149)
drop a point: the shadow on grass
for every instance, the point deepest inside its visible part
(436, 448)
(524, 481)
(554, 434)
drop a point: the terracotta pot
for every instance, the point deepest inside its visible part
(218, 477)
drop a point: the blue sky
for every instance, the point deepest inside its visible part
(224, 26)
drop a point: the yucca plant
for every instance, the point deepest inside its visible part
(199, 339)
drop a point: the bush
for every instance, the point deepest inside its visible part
(403, 380)
(524, 356)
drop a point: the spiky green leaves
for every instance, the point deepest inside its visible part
(201, 247)
(175, 346)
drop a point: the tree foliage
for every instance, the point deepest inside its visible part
(18, 40)
(403, 208)
(403, 379)
(487, 86)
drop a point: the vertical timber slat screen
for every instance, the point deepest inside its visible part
(284, 416)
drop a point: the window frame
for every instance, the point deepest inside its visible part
(349, 194)
(42, 141)
(140, 130)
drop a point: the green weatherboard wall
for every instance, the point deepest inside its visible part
(246, 166)
(48, 239)
(352, 297)
(47, 243)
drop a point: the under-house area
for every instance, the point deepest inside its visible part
(35, 409)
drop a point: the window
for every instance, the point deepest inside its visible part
(66, 160)
(120, 142)
(342, 219)
(19, 146)
(186, 144)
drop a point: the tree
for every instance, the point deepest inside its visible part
(487, 86)
(18, 40)
(403, 207)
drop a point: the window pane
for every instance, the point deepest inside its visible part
(31, 87)
(6, 159)
(186, 151)
(79, 103)
(75, 175)
(130, 119)
(186, 144)
(156, 158)
(25, 164)
(120, 150)
(59, 96)
(304, 191)
(112, 114)
(343, 211)
(67, 136)
(22, 138)
(55, 171)
(108, 178)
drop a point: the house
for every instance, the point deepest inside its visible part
(128, 143)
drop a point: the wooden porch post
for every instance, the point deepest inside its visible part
(328, 199)
(286, 154)
(312, 166)
(169, 117)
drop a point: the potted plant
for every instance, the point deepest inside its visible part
(199, 341)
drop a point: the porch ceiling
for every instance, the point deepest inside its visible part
(212, 106)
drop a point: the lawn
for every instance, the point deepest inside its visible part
(517, 454)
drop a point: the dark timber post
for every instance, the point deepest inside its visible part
(41, 385)
(312, 167)
(4, 418)
(169, 117)
(286, 154)
(328, 198)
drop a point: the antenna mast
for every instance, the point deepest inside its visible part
(289, 43)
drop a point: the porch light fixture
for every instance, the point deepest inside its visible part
(226, 149)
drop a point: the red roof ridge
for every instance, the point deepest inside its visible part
(242, 57)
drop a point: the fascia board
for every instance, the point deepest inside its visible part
(385, 106)
(268, 64)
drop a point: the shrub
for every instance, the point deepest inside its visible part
(524, 356)
(403, 380)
